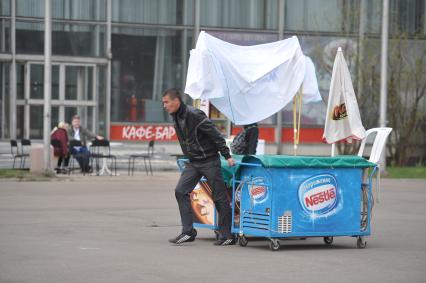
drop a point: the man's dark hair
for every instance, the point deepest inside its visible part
(75, 117)
(173, 93)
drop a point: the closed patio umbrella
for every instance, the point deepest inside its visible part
(343, 120)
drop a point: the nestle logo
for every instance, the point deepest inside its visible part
(320, 197)
(319, 194)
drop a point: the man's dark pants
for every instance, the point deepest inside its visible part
(192, 173)
(83, 158)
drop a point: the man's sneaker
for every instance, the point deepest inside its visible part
(225, 242)
(183, 238)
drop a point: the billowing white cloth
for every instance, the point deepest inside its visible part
(249, 83)
(343, 121)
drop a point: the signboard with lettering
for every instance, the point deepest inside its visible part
(143, 133)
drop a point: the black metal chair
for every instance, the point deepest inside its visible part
(16, 153)
(100, 150)
(25, 150)
(74, 155)
(147, 156)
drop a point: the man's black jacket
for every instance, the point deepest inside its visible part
(198, 136)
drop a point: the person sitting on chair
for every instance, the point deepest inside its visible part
(77, 132)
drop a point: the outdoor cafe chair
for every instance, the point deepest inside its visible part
(146, 157)
(25, 150)
(101, 150)
(378, 144)
(16, 153)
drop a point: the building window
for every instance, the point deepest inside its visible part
(29, 37)
(252, 14)
(79, 40)
(4, 100)
(30, 8)
(373, 12)
(166, 12)
(322, 15)
(88, 40)
(4, 7)
(407, 16)
(90, 10)
(145, 63)
(4, 35)
(86, 10)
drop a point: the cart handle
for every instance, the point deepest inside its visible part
(182, 161)
(248, 164)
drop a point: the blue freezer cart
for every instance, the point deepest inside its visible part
(280, 197)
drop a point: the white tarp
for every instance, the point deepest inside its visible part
(343, 121)
(249, 83)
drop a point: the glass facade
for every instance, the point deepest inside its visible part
(322, 15)
(89, 10)
(86, 40)
(145, 62)
(247, 14)
(4, 99)
(4, 35)
(29, 37)
(158, 12)
(4, 7)
(149, 49)
(83, 10)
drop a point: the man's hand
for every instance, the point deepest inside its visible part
(99, 137)
(231, 162)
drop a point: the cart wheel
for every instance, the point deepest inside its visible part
(242, 241)
(328, 240)
(274, 245)
(216, 235)
(361, 243)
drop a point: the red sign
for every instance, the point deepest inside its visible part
(143, 133)
(307, 135)
(168, 133)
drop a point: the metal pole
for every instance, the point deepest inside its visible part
(383, 76)
(281, 23)
(47, 83)
(361, 49)
(12, 105)
(184, 45)
(108, 73)
(197, 9)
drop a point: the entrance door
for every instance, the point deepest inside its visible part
(74, 91)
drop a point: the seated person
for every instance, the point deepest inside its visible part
(77, 132)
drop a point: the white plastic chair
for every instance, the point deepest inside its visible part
(378, 144)
(376, 150)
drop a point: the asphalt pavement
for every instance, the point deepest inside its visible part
(115, 229)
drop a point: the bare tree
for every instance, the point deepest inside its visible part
(406, 89)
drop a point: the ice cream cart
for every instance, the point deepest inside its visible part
(279, 197)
